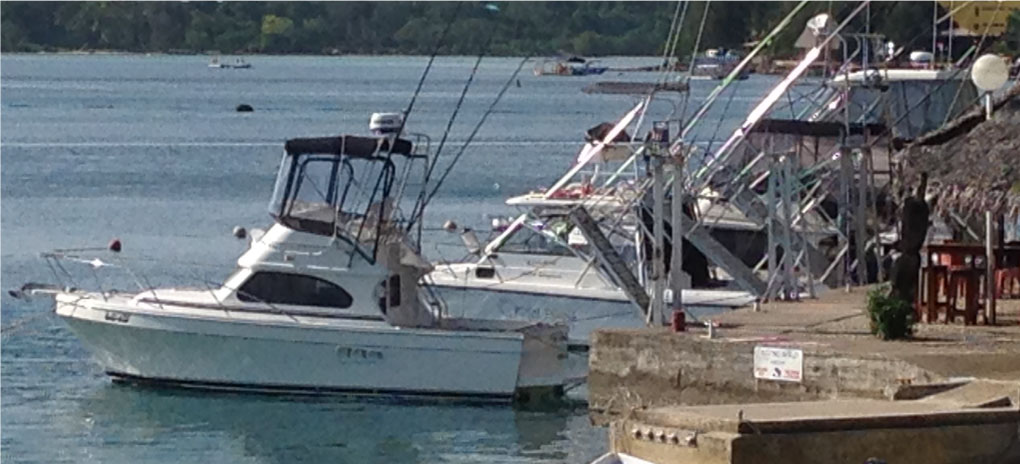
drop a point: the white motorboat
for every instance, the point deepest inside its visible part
(543, 268)
(238, 63)
(327, 300)
(541, 265)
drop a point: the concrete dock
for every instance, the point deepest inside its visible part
(837, 431)
(643, 368)
(833, 393)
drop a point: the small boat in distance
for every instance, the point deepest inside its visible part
(238, 63)
(569, 66)
(717, 64)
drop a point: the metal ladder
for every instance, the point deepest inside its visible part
(743, 275)
(610, 259)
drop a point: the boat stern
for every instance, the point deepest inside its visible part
(542, 374)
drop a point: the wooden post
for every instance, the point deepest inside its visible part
(989, 269)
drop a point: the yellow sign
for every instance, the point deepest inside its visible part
(979, 17)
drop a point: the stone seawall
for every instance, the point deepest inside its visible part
(637, 368)
(631, 369)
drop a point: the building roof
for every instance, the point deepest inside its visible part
(971, 162)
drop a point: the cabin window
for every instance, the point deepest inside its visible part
(293, 289)
(526, 240)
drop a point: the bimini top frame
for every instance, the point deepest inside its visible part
(351, 145)
(341, 186)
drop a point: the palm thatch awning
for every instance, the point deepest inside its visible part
(972, 164)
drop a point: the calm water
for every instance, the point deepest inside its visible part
(150, 150)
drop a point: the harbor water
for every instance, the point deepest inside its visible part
(150, 149)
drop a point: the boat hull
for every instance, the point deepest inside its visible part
(582, 315)
(277, 357)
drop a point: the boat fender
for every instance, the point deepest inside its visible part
(245, 108)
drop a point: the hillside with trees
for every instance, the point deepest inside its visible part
(501, 28)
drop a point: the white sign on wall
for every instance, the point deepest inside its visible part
(778, 364)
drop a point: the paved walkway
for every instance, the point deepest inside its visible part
(837, 321)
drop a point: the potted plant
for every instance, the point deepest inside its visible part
(891, 318)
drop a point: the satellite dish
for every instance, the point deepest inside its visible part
(989, 72)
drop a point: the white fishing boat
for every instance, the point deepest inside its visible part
(327, 300)
(543, 265)
(533, 272)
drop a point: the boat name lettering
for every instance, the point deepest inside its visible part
(540, 262)
(348, 353)
(115, 316)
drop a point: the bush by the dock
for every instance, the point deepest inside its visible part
(891, 318)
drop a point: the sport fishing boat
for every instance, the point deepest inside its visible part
(545, 268)
(543, 265)
(327, 300)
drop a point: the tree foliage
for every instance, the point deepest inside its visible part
(590, 28)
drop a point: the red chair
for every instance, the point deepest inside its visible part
(1007, 282)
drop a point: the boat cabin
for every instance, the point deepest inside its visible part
(910, 101)
(340, 186)
(337, 242)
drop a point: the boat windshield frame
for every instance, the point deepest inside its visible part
(356, 216)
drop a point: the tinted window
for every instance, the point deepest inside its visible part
(293, 289)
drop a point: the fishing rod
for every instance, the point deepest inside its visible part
(419, 202)
(737, 70)
(423, 197)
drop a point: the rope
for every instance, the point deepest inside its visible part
(740, 67)
(694, 55)
(726, 109)
(674, 31)
(679, 32)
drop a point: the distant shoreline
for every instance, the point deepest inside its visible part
(316, 55)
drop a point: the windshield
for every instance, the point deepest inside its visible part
(550, 238)
(309, 191)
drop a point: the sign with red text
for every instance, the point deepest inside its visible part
(782, 364)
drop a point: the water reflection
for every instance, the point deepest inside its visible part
(287, 429)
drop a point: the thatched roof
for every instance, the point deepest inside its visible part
(971, 163)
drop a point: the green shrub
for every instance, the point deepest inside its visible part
(891, 318)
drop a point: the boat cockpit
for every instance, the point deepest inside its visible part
(345, 187)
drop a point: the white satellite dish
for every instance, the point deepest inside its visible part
(989, 72)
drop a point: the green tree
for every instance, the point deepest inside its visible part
(276, 33)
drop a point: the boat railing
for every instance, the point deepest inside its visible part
(432, 299)
(96, 259)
